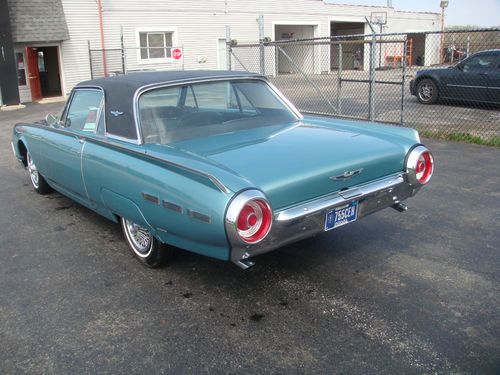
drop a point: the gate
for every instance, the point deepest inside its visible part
(343, 76)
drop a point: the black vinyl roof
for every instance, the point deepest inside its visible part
(119, 93)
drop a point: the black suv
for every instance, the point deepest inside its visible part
(474, 79)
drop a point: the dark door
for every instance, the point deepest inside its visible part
(493, 79)
(468, 80)
(33, 73)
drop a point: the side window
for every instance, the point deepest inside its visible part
(212, 95)
(479, 63)
(82, 114)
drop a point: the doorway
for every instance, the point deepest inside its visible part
(301, 55)
(352, 53)
(43, 72)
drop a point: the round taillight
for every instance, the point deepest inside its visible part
(420, 165)
(424, 168)
(254, 221)
(249, 218)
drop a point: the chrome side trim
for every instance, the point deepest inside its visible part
(338, 198)
(467, 87)
(214, 180)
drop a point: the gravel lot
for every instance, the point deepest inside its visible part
(412, 293)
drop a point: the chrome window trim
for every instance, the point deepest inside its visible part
(103, 111)
(159, 85)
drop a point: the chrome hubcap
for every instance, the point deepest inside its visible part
(33, 172)
(140, 238)
(426, 92)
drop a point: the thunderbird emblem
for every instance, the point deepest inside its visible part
(347, 175)
(116, 113)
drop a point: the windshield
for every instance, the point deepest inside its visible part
(179, 113)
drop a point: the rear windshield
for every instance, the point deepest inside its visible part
(174, 114)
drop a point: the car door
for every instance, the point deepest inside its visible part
(63, 151)
(467, 81)
(493, 81)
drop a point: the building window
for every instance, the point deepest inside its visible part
(155, 45)
(21, 69)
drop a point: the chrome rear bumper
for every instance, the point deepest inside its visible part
(308, 219)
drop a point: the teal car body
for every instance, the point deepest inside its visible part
(183, 191)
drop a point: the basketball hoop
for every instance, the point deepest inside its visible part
(378, 18)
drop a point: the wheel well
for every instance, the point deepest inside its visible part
(23, 151)
(425, 77)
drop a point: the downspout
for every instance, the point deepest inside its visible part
(101, 29)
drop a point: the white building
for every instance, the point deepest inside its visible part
(198, 27)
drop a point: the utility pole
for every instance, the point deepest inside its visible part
(443, 5)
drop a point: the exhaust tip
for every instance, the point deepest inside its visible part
(400, 207)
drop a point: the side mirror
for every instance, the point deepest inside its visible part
(51, 119)
(460, 67)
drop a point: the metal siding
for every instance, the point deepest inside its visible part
(199, 24)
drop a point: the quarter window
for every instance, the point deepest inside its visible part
(84, 110)
(155, 45)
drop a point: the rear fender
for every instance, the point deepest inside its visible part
(124, 207)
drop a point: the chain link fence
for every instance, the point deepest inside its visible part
(114, 61)
(368, 77)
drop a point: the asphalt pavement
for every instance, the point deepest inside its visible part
(411, 293)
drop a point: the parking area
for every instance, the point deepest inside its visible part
(412, 293)
(477, 119)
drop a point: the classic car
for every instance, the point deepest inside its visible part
(215, 162)
(474, 79)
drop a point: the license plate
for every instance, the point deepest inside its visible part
(341, 215)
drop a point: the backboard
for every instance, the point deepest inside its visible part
(378, 18)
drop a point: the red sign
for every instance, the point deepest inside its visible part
(176, 53)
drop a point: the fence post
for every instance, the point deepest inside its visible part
(468, 45)
(371, 95)
(403, 83)
(261, 45)
(339, 82)
(90, 60)
(228, 47)
(124, 71)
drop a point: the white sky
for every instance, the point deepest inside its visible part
(485, 13)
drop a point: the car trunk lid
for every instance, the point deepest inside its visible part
(295, 162)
